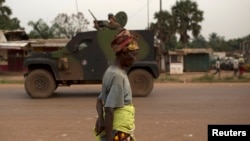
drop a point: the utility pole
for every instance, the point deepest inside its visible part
(79, 27)
(160, 5)
(76, 7)
(148, 14)
(163, 62)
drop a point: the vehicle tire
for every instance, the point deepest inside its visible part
(40, 84)
(141, 82)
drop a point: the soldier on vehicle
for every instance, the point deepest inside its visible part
(112, 24)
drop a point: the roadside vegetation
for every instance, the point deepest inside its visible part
(168, 78)
(206, 77)
(6, 81)
(212, 78)
(11, 78)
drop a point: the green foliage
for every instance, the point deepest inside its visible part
(233, 45)
(217, 43)
(184, 17)
(11, 82)
(172, 44)
(7, 23)
(5, 11)
(229, 78)
(63, 26)
(187, 17)
(163, 28)
(212, 78)
(41, 30)
(199, 42)
(167, 78)
(204, 78)
(68, 25)
(243, 79)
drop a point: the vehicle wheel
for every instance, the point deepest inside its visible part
(56, 86)
(40, 84)
(141, 82)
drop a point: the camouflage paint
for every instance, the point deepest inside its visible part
(104, 38)
(74, 72)
(89, 64)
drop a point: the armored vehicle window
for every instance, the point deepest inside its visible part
(84, 44)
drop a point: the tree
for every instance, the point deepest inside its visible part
(234, 44)
(246, 37)
(217, 43)
(164, 31)
(187, 17)
(10, 24)
(68, 26)
(199, 42)
(5, 11)
(164, 28)
(41, 30)
(6, 22)
(172, 43)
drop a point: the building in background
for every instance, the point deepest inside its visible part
(15, 46)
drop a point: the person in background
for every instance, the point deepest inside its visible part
(235, 66)
(217, 67)
(116, 113)
(241, 67)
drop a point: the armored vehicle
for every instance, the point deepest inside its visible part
(84, 60)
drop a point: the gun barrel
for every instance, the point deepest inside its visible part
(92, 15)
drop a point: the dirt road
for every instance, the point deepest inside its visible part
(176, 112)
(185, 77)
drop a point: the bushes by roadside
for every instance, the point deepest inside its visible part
(202, 77)
(212, 78)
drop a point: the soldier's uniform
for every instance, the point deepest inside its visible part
(113, 25)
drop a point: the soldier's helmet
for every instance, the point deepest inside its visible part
(110, 15)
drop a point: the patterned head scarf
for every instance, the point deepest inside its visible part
(124, 40)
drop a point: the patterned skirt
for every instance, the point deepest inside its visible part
(121, 136)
